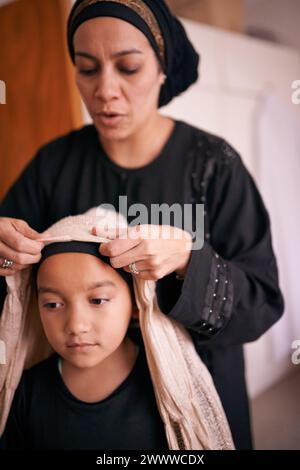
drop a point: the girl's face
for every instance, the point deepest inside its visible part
(118, 76)
(85, 307)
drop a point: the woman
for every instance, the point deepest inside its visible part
(131, 57)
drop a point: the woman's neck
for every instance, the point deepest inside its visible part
(97, 383)
(143, 146)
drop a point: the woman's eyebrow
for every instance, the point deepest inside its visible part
(114, 55)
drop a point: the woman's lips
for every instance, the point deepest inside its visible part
(110, 119)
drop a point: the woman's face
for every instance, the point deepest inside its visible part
(85, 307)
(118, 76)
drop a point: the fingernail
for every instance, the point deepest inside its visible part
(102, 249)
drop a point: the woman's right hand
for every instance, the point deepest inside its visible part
(19, 244)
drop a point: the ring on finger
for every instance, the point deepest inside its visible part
(133, 268)
(7, 264)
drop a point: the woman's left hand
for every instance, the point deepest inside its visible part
(156, 250)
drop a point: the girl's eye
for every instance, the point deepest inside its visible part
(99, 301)
(52, 305)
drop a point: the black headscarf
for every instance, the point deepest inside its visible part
(90, 248)
(180, 58)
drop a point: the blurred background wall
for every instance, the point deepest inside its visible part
(250, 58)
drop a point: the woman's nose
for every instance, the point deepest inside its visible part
(107, 86)
(77, 321)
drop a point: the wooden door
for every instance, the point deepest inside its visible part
(41, 97)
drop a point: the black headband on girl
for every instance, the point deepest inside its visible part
(90, 248)
(165, 33)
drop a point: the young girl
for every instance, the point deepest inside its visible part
(95, 391)
(110, 384)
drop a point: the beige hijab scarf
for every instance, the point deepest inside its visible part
(186, 397)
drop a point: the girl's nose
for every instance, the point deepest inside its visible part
(77, 321)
